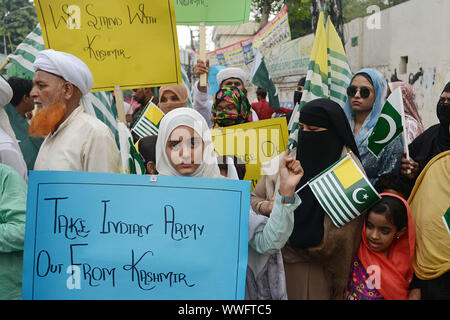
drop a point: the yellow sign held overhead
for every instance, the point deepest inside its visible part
(125, 43)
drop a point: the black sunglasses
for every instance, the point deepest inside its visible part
(364, 92)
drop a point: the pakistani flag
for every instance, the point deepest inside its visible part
(261, 78)
(343, 191)
(148, 122)
(389, 125)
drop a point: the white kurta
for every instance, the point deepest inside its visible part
(81, 143)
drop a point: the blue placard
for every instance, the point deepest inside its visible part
(117, 236)
(212, 79)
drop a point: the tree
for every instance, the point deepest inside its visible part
(358, 8)
(303, 14)
(263, 9)
(18, 18)
(298, 14)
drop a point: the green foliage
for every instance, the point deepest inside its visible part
(358, 8)
(17, 24)
(299, 11)
(299, 16)
(258, 7)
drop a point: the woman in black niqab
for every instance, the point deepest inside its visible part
(433, 141)
(318, 255)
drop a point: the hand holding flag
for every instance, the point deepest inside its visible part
(291, 172)
(343, 191)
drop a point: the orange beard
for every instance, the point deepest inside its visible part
(45, 120)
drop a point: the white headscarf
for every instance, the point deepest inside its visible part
(6, 92)
(63, 64)
(190, 118)
(228, 73)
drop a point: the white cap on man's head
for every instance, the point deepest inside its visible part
(67, 66)
(6, 92)
(228, 73)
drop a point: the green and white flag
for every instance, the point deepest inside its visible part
(339, 73)
(187, 83)
(261, 78)
(131, 160)
(148, 122)
(98, 104)
(328, 74)
(343, 191)
(23, 57)
(316, 84)
(389, 125)
(102, 106)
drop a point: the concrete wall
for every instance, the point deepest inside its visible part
(417, 29)
(223, 36)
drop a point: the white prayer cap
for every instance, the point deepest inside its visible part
(6, 92)
(63, 64)
(228, 73)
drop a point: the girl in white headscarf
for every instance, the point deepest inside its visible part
(185, 148)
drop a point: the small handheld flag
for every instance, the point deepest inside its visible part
(389, 125)
(343, 191)
(261, 78)
(148, 122)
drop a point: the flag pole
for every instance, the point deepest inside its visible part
(405, 139)
(118, 95)
(202, 44)
(5, 64)
(300, 189)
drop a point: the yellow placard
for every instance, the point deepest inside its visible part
(125, 43)
(252, 143)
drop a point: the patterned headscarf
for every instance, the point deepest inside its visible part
(412, 116)
(238, 99)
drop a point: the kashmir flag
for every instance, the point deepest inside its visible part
(102, 106)
(339, 73)
(148, 122)
(261, 78)
(316, 84)
(131, 160)
(343, 191)
(389, 125)
(23, 57)
(187, 83)
(98, 104)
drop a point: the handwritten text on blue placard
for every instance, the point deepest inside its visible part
(114, 236)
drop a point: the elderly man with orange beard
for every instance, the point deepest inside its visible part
(74, 140)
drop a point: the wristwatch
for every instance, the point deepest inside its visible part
(287, 200)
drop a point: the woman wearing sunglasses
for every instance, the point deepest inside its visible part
(366, 97)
